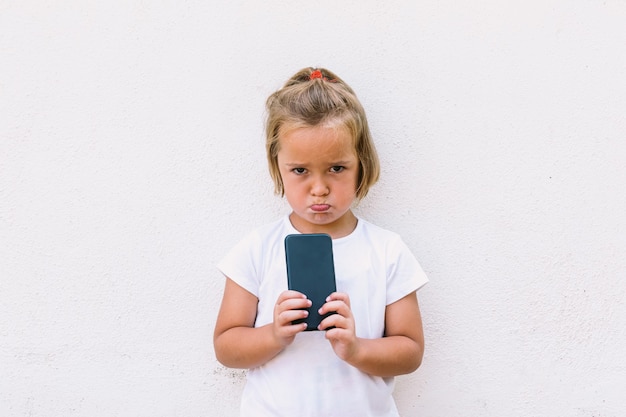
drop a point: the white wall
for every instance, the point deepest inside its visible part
(131, 160)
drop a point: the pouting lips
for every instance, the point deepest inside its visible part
(320, 207)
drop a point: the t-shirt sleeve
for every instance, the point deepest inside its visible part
(404, 273)
(239, 263)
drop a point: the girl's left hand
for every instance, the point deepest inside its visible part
(340, 327)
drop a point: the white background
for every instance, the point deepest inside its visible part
(132, 159)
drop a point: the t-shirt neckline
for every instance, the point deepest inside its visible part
(292, 230)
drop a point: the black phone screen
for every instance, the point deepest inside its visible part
(311, 271)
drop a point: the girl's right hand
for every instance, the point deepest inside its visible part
(289, 307)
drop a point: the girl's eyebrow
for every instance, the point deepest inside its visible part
(293, 164)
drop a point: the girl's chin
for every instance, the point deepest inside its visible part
(322, 222)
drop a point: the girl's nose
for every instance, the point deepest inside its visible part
(319, 187)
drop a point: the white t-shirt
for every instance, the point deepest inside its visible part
(375, 268)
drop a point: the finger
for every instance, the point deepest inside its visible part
(336, 306)
(336, 321)
(294, 304)
(328, 323)
(291, 300)
(288, 295)
(335, 333)
(287, 317)
(294, 329)
(339, 296)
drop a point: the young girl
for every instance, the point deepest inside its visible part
(322, 159)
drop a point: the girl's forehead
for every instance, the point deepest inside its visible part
(314, 134)
(328, 129)
(317, 141)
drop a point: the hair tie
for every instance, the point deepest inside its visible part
(316, 74)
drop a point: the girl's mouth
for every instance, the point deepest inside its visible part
(320, 207)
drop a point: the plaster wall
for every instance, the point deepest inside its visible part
(132, 159)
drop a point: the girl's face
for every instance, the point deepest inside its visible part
(319, 168)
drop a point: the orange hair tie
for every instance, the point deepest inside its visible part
(316, 74)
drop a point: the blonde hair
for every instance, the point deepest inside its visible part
(315, 96)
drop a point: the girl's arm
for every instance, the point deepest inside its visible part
(238, 344)
(399, 352)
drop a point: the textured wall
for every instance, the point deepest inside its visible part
(131, 160)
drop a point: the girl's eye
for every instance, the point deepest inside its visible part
(299, 171)
(337, 169)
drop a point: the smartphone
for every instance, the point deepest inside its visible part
(311, 271)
